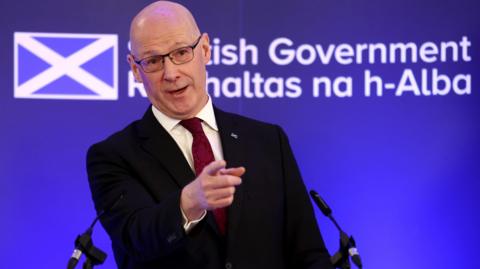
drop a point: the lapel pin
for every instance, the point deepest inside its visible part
(234, 135)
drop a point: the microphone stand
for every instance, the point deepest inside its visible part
(84, 244)
(341, 259)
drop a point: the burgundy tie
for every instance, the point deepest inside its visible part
(202, 156)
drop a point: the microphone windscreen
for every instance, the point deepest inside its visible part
(321, 203)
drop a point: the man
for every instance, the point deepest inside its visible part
(182, 207)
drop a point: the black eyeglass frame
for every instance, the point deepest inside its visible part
(169, 55)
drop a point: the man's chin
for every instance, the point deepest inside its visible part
(183, 113)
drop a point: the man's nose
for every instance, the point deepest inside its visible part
(170, 70)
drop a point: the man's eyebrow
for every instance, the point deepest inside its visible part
(175, 46)
(149, 53)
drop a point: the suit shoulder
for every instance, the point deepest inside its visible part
(250, 122)
(258, 132)
(119, 138)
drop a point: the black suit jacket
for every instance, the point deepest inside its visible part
(271, 223)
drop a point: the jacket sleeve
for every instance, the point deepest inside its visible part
(305, 245)
(140, 226)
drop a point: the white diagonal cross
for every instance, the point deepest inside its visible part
(69, 66)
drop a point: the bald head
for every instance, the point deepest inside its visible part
(166, 20)
(176, 85)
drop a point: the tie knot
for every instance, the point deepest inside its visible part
(193, 125)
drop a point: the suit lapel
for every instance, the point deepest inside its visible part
(157, 142)
(234, 154)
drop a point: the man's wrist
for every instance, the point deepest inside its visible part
(187, 207)
(188, 224)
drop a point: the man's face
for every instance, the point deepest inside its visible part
(179, 91)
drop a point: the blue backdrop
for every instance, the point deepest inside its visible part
(380, 100)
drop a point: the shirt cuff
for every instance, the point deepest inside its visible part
(189, 224)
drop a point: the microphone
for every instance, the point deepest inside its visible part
(345, 240)
(83, 243)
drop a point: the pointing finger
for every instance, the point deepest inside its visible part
(234, 171)
(213, 168)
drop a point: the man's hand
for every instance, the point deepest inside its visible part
(213, 188)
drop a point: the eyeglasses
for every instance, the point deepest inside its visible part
(178, 56)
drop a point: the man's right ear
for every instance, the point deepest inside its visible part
(134, 67)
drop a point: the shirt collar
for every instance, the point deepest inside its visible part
(206, 114)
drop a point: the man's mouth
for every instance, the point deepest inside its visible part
(179, 91)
